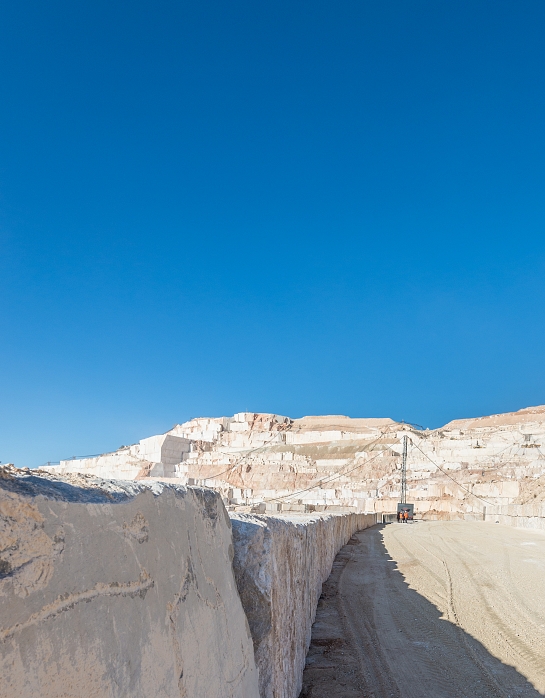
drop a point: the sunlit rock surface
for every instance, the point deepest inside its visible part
(116, 589)
(154, 456)
(280, 564)
(466, 469)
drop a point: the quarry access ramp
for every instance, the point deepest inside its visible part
(436, 609)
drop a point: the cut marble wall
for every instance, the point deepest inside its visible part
(115, 589)
(280, 563)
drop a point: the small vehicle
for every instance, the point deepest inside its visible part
(403, 509)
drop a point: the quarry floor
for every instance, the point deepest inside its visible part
(442, 609)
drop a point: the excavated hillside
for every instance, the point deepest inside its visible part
(271, 462)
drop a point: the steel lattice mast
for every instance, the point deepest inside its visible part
(404, 472)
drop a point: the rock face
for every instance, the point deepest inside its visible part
(323, 463)
(112, 588)
(280, 564)
(154, 456)
(518, 515)
(116, 589)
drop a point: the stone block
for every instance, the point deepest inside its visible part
(116, 589)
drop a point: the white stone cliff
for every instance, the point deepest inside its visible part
(338, 463)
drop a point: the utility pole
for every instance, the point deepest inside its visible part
(404, 472)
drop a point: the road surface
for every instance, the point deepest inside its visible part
(431, 610)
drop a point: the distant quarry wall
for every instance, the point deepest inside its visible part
(518, 515)
(111, 589)
(531, 516)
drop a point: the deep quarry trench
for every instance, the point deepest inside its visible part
(432, 609)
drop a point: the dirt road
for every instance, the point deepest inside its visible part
(432, 609)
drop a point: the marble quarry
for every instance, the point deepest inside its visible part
(191, 564)
(266, 463)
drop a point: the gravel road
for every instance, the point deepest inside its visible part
(432, 609)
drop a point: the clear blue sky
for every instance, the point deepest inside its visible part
(291, 207)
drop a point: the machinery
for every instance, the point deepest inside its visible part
(402, 506)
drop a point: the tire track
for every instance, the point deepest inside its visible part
(374, 669)
(416, 612)
(509, 605)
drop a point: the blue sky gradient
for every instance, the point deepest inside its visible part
(301, 208)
